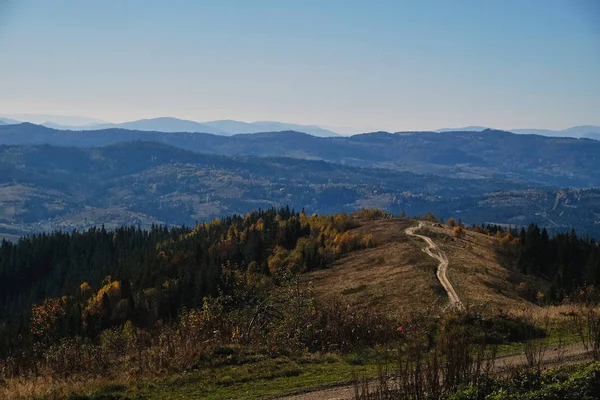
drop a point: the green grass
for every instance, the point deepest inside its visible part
(551, 341)
(242, 373)
(575, 382)
(255, 378)
(253, 375)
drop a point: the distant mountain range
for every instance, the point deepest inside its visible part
(169, 124)
(43, 119)
(582, 131)
(587, 131)
(463, 129)
(46, 188)
(8, 121)
(555, 162)
(232, 127)
(66, 179)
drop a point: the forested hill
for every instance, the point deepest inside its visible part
(44, 188)
(150, 275)
(558, 162)
(70, 289)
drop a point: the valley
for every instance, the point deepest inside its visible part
(46, 188)
(299, 200)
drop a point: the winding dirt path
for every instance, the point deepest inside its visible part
(435, 252)
(551, 356)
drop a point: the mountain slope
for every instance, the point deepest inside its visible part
(573, 132)
(464, 129)
(536, 160)
(395, 276)
(70, 121)
(235, 127)
(8, 121)
(44, 188)
(164, 124)
(594, 136)
(223, 127)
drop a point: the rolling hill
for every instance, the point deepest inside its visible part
(574, 132)
(170, 124)
(8, 121)
(527, 159)
(44, 188)
(58, 120)
(164, 124)
(582, 131)
(395, 276)
(463, 129)
(232, 127)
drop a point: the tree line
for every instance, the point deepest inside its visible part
(79, 284)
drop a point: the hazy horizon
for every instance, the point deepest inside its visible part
(86, 121)
(346, 66)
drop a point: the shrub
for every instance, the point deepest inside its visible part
(459, 232)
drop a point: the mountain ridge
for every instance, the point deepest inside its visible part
(175, 125)
(556, 162)
(578, 132)
(229, 127)
(47, 188)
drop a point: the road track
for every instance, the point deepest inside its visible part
(433, 251)
(571, 353)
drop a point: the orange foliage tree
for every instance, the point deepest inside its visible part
(459, 232)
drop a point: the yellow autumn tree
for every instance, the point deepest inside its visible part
(459, 232)
(112, 289)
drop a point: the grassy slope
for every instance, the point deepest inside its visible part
(255, 377)
(482, 276)
(262, 380)
(396, 276)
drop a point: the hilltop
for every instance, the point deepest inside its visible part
(397, 277)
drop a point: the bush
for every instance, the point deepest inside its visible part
(370, 213)
(580, 383)
(459, 232)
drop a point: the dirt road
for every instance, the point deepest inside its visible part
(551, 357)
(571, 353)
(435, 252)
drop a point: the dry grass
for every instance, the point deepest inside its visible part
(396, 276)
(50, 388)
(393, 277)
(483, 277)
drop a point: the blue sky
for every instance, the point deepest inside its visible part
(393, 65)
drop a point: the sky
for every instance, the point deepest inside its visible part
(351, 65)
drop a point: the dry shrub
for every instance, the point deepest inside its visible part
(434, 364)
(371, 213)
(459, 232)
(535, 350)
(586, 322)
